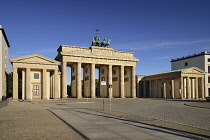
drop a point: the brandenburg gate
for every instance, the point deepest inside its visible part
(116, 68)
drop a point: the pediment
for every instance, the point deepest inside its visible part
(34, 59)
(194, 70)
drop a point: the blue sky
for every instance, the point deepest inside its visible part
(156, 30)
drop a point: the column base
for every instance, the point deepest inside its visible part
(15, 100)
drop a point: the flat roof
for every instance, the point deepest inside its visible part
(190, 56)
(167, 72)
(5, 36)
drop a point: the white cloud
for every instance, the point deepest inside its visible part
(163, 57)
(147, 45)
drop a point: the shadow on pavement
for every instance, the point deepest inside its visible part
(158, 127)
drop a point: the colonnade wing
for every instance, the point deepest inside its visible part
(184, 83)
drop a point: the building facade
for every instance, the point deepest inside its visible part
(200, 60)
(178, 84)
(117, 70)
(39, 77)
(35, 77)
(4, 46)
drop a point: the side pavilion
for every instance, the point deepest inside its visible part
(185, 83)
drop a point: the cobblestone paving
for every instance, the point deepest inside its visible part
(25, 121)
(185, 115)
(196, 114)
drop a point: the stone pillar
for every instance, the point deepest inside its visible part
(44, 84)
(164, 89)
(193, 88)
(188, 88)
(93, 90)
(185, 89)
(156, 81)
(79, 86)
(172, 88)
(133, 82)
(144, 93)
(150, 88)
(15, 84)
(23, 84)
(56, 84)
(64, 81)
(181, 87)
(196, 87)
(202, 87)
(51, 86)
(122, 81)
(110, 81)
(28, 84)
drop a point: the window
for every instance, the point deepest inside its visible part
(208, 79)
(36, 75)
(208, 59)
(186, 64)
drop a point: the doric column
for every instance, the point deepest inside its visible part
(133, 82)
(15, 83)
(144, 91)
(164, 89)
(56, 84)
(150, 88)
(23, 84)
(28, 84)
(196, 87)
(93, 90)
(188, 88)
(110, 81)
(202, 88)
(172, 88)
(79, 88)
(156, 86)
(181, 87)
(44, 84)
(51, 86)
(185, 89)
(193, 88)
(64, 85)
(122, 81)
